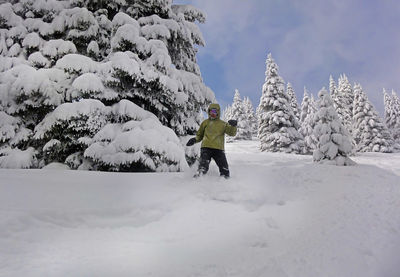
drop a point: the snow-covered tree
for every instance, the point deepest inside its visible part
(332, 87)
(313, 103)
(305, 103)
(237, 112)
(14, 137)
(162, 62)
(277, 124)
(343, 101)
(334, 144)
(135, 141)
(396, 111)
(307, 122)
(227, 113)
(293, 100)
(369, 132)
(68, 130)
(123, 137)
(251, 116)
(392, 114)
(54, 53)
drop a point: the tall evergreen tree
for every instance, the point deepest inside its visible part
(293, 100)
(334, 145)
(278, 126)
(63, 52)
(370, 133)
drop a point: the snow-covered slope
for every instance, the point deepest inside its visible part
(279, 215)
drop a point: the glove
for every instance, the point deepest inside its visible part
(191, 142)
(232, 122)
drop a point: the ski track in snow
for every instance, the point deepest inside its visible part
(279, 215)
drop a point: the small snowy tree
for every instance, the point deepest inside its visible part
(332, 87)
(13, 138)
(293, 100)
(396, 111)
(334, 144)
(227, 113)
(344, 98)
(392, 115)
(313, 103)
(308, 123)
(305, 103)
(370, 133)
(237, 112)
(251, 116)
(278, 126)
(136, 141)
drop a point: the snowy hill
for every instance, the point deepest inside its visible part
(279, 215)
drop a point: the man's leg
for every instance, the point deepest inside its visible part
(205, 159)
(222, 163)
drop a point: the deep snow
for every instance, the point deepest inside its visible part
(279, 215)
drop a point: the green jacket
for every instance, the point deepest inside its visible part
(212, 131)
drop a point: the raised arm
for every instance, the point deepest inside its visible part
(230, 128)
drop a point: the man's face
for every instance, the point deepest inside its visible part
(213, 113)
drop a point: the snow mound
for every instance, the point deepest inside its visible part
(56, 166)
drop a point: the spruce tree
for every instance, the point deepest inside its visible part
(313, 103)
(13, 137)
(370, 133)
(344, 102)
(62, 52)
(334, 144)
(278, 126)
(305, 103)
(227, 113)
(308, 123)
(332, 87)
(293, 100)
(392, 114)
(244, 131)
(251, 116)
(396, 108)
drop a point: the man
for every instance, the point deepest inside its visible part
(212, 134)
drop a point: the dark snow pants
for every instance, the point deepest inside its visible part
(206, 154)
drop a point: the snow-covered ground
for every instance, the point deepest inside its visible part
(279, 215)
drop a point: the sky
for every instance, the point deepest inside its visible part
(309, 40)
